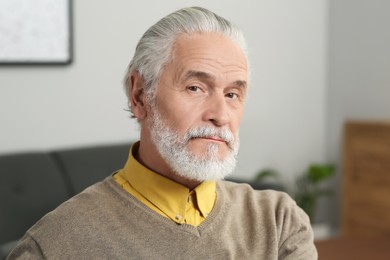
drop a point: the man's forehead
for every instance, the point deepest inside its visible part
(206, 76)
(210, 57)
(207, 42)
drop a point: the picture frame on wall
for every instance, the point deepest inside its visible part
(36, 32)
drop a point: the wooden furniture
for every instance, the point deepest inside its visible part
(354, 249)
(366, 180)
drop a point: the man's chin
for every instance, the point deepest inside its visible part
(204, 158)
(203, 169)
(214, 151)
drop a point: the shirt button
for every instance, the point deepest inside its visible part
(178, 217)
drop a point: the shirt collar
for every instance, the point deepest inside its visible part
(167, 195)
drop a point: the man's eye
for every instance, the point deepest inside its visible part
(193, 88)
(232, 95)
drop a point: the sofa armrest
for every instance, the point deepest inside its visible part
(88, 165)
(259, 186)
(6, 248)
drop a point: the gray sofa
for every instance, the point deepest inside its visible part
(34, 183)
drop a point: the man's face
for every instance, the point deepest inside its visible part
(200, 98)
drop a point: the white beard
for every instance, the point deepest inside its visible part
(174, 150)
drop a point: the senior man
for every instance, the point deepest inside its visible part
(186, 86)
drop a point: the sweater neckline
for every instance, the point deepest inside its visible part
(214, 216)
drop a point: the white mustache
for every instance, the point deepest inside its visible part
(207, 131)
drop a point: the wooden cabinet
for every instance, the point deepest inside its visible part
(366, 179)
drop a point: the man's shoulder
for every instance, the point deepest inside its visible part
(272, 209)
(244, 197)
(83, 222)
(83, 209)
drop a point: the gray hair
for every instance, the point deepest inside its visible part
(154, 49)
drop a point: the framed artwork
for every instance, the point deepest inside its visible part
(35, 32)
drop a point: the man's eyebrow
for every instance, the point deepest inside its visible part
(208, 76)
(198, 74)
(240, 83)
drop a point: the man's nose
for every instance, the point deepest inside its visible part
(216, 110)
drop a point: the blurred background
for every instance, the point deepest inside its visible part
(314, 65)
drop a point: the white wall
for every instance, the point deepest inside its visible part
(284, 127)
(359, 72)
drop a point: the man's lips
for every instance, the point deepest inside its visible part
(211, 138)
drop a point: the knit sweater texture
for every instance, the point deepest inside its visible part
(106, 222)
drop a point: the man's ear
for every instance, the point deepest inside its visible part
(137, 95)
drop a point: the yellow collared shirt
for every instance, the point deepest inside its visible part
(166, 197)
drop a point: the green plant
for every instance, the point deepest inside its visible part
(267, 175)
(309, 186)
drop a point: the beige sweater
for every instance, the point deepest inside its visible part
(106, 222)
